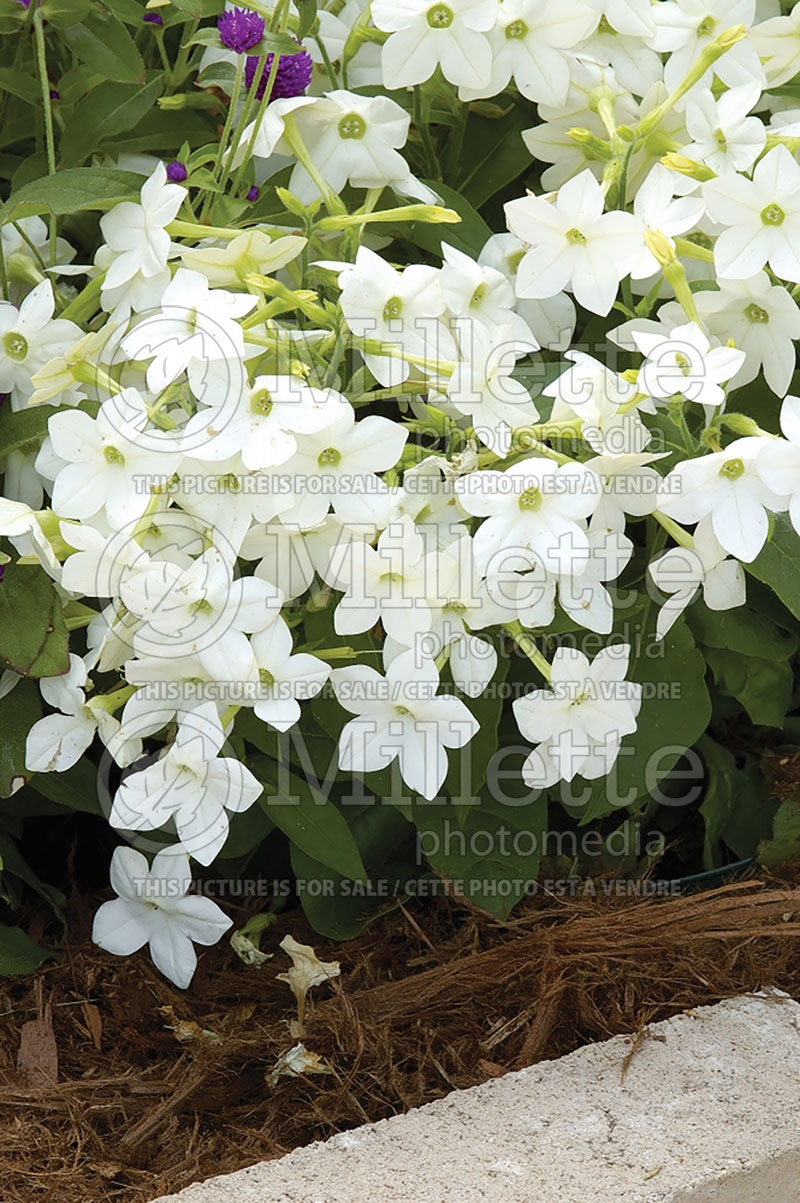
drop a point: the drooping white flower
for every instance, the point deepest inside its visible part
(573, 244)
(629, 485)
(580, 720)
(425, 34)
(683, 571)
(483, 386)
(658, 210)
(155, 908)
(778, 463)
(726, 486)
(399, 716)
(603, 400)
(762, 217)
(191, 785)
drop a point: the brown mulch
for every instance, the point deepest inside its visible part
(431, 998)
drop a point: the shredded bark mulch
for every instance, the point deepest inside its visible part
(114, 1085)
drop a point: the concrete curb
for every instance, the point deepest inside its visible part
(708, 1112)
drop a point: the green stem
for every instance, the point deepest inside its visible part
(41, 63)
(226, 129)
(421, 122)
(273, 71)
(86, 302)
(525, 642)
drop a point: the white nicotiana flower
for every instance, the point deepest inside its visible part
(483, 386)
(573, 244)
(580, 720)
(658, 210)
(284, 679)
(603, 401)
(762, 319)
(777, 42)
(629, 486)
(727, 487)
(684, 364)
(135, 234)
(155, 908)
(399, 716)
(528, 44)
(191, 785)
(683, 571)
(57, 741)
(479, 292)
(762, 217)
(425, 34)
(29, 338)
(778, 463)
(552, 322)
(685, 27)
(724, 138)
(389, 583)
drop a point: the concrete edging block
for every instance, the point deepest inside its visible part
(708, 1112)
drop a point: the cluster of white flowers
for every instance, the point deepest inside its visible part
(223, 484)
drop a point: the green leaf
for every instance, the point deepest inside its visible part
(735, 809)
(17, 84)
(247, 830)
(340, 908)
(470, 236)
(18, 953)
(109, 110)
(778, 563)
(492, 856)
(308, 818)
(72, 191)
(23, 429)
(76, 788)
(785, 843)
(12, 862)
(740, 630)
(65, 13)
(308, 15)
(764, 687)
(102, 41)
(33, 637)
(496, 153)
(19, 710)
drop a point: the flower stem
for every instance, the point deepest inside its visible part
(526, 643)
(41, 64)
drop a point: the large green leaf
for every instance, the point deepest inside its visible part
(76, 788)
(469, 236)
(742, 630)
(17, 84)
(785, 843)
(736, 810)
(497, 153)
(33, 635)
(109, 110)
(19, 710)
(308, 818)
(72, 191)
(764, 687)
(102, 41)
(12, 862)
(778, 563)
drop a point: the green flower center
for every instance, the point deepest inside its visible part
(478, 294)
(202, 606)
(392, 309)
(16, 347)
(229, 483)
(455, 607)
(772, 215)
(440, 16)
(531, 499)
(402, 710)
(603, 26)
(732, 468)
(683, 363)
(329, 458)
(352, 125)
(265, 677)
(755, 313)
(706, 27)
(720, 139)
(261, 402)
(516, 29)
(394, 578)
(574, 235)
(113, 456)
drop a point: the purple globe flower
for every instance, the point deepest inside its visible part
(292, 78)
(240, 29)
(153, 19)
(252, 194)
(2, 572)
(176, 172)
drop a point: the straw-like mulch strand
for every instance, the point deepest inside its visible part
(430, 999)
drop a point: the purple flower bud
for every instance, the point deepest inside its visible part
(2, 572)
(54, 95)
(252, 195)
(292, 78)
(153, 19)
(240, 29)
(176, 172)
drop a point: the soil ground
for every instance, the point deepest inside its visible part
(156, 1088)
